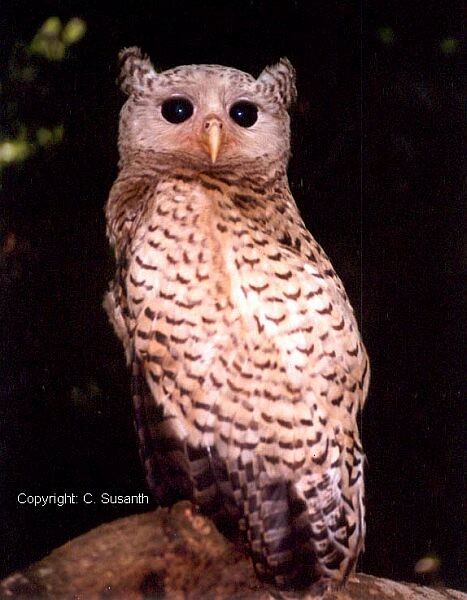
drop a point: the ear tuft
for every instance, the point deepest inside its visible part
(135, 70)
(281, 77)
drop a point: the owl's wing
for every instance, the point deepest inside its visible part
(174, 469)
(309, 427)
(162, 453)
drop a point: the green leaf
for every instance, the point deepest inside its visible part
(47, 41)
(57, 134)
(74, 30)
(43, 136)
(449, 45)
(52, 27)
(12, 151)
(386, 35)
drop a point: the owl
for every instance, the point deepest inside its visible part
(248, 371)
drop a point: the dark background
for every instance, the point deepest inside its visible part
(376, 171)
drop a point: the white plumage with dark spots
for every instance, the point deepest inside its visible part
(248, 369)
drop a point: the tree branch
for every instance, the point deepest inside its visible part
(172, 554)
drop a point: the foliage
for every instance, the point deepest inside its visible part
(29, 74)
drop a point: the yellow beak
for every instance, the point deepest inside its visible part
(214, 140)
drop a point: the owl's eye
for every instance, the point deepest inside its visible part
(244, 113)
(177, 109)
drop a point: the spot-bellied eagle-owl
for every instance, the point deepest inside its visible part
(247, 365)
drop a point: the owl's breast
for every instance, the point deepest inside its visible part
(231, 326)
(178, 296)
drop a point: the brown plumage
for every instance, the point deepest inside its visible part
(247, 366)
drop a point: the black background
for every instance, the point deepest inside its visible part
(376, 171)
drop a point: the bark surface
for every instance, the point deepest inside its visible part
(173, 555)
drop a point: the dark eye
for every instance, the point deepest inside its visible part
(244, 113)
(177, 110)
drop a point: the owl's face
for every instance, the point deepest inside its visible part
(209, 113)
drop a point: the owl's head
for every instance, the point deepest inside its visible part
(207, 113)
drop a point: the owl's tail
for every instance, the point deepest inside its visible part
(335, 515)
(301, 535)
(276, 525)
